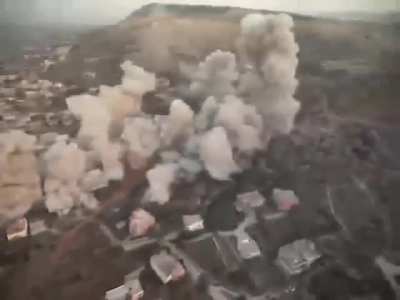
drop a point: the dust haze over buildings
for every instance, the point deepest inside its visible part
(100, 12)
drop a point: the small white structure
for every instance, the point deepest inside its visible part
(135, 289)
(193, 222)
(247, 247)
(167, 267)
(119, 293)
(248, 201)
(297, 257)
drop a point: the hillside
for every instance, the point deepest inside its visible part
(348, 62)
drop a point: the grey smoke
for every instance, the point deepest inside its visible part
(217, 155)
(268, 57)
(247, 97)
(215, 76)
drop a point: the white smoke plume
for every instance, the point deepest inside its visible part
(66, 165)
(136, 80)
(118, 103)
(110, 154)
(93, 180)
(99, 113)
(143, 138)
(160, 179)
(268, 56)
(242, 122)
(65, 162)
(179, 124)
(112, 103)
(215, 76)
(94, 116)
(216, 153)
(247, 99)
(265, 78)
(16, 141)
(205, 118)
(19, 175)
(69, 179)
(125, 99)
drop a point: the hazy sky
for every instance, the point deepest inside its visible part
(110, 11)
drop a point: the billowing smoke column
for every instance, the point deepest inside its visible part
(247, 98)
(160, 178)
(216, 152)
(179, 123)
(242, 122)
(19, 175)
(65, 165)
(268, 57)
(215, 76)
(75, 170)
(100, 115)
(142, 136)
